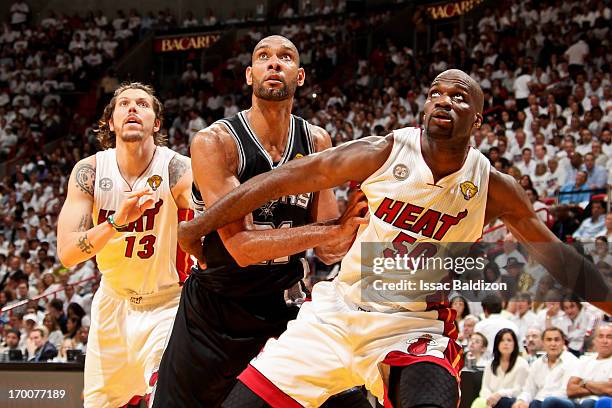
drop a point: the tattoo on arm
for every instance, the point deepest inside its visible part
(177, 167)
(85, 223)
(85, 178)
(85, 245)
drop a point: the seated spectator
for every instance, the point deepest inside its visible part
(463, 309)
(597, 175)
(523, 317)
(55, 334)
(477, 351)
(56, 309)
(467, 330)
(534, 348)
(11, 342)
(602, 247)
(581, 323)
(544, 376)
(593, 226)
(552, 315)
(510, 251)
(504, 377)
(577, 191)
(38, 347)
(493, 321)
(591, 377)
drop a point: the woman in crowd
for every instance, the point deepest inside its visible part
(463, 309)
(55, 334)
(505, 376)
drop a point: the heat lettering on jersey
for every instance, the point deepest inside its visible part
(145, 223)
(409, 217)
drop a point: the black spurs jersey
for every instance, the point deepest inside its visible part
(223, 274)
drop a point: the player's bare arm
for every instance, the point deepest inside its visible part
(77, 239)
(508, 201)
(216, 177)
(354, 161)
(179, 170)
(325, 207)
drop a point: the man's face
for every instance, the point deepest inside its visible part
(589, 161)
(533, 340)
(275, 71)
(134, 117)
(22, 290)
(522, 306)
(603, 341)
(553, 343)
(597, 209)
(453, 107)
(12, 341)
(36, 338)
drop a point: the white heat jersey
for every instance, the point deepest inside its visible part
(141, 259)
(409, 214)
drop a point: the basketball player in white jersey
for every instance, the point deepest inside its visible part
(123, 207)
(423, 187)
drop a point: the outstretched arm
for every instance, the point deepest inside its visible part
(508, 201)
(230, 204)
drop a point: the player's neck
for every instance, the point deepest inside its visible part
(270, 120)
(134, 158)
(443, 157)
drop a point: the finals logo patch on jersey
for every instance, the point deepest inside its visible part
(106, 184)
(468, 189)
(154, 182)
(400, 172)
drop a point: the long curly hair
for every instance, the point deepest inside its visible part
(106, 137)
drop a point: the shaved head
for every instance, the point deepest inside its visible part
(273, 40)
(456, 75)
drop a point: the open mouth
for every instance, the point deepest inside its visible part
(274, 79)
(442, 117)
(131, 120)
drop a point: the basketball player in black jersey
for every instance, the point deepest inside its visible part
(232, 306)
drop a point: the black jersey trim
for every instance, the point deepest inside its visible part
(288, 147)
(241, 155)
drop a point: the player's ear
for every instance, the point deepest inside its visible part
(111, 125)
(249, 75)
(478, 121)
(156, 125)
(301, 76)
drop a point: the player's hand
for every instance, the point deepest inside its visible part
(188, 244)
(356, 214)
(134, 206)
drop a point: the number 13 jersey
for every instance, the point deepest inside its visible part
(140, 259)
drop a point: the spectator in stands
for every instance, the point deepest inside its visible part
(493, 321)
(477, 355)
(55, 334)
(510, 251)
(504, 377)
(576, 191)
(533, 344)
(73, 325)
(38, 348)
(581, 323)
(593, 226)
(597, 176)
(463, 309)
(591, 378)
(544, 374)
(602, 248)
(552, 315)
(468, 329)
(56, 309)
(11, 342)
(523, 317)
